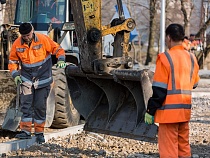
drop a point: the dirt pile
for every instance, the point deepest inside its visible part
(7, 93)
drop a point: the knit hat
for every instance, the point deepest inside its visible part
(25, 28)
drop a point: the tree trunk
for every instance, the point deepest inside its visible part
(151, 54)
(9, 15)
(186, 8)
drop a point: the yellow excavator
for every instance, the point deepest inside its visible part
(107, 91)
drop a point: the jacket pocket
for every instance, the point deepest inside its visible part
(39, 51)
(22, 53)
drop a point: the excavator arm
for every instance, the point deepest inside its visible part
(90, 32)
(107, 91)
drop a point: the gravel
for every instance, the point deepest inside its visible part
(88, 144)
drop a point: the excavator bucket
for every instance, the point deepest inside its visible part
(106, 89)
(113, 104)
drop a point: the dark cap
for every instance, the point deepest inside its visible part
(25, 28)
(176, 32)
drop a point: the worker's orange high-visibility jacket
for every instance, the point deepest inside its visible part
(35, 61)
(178, 73)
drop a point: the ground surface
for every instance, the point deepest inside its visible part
(97, 145)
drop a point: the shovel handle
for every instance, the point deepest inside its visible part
(17, 96)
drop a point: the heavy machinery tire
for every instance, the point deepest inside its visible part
(65, 113)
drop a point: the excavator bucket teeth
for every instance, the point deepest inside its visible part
(114, 104)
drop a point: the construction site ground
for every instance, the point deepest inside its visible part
(81, 144)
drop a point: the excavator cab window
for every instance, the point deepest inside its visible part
(41, 12)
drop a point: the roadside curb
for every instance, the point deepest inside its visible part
(26, 143)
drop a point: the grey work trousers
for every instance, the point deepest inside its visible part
(33, 103)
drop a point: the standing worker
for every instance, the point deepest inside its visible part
(175, 76)
(32, 52)
(186, 43)
(193, 43)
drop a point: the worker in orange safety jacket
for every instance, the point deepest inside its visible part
(186, 43)
(30, 64)
(193, 43)
(175, 76)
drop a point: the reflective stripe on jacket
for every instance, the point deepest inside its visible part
(35, 61)
(176, 71)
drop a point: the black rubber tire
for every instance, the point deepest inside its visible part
(65, 113)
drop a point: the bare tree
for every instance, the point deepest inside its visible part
(187, 8)
(10, 11)
(203, 54)
(152, 24)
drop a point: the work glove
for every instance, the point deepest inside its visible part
(60, 64)
(148, 119)
(18, 79)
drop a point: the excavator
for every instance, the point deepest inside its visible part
(107, 91)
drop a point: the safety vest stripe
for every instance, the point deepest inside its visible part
(13, 72)
(38, 63)
(41, 82)
(172, 70)
(39, 121)
(192, 66)
(26, 80)
(59, 48)
(159, 84)
(26, 120)
(13, 61)
(36, 83)
(175, 106)
(179, 91)
(61, 58)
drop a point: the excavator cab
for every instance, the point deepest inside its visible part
(108, 91)
(42, 12)
(45, 15)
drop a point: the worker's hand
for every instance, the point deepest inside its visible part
(61, 64)
(17, 79)
(148, 119)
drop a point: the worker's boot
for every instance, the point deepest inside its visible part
(23, 135)
(40, 138)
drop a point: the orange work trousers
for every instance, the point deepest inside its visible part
(173, 140)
